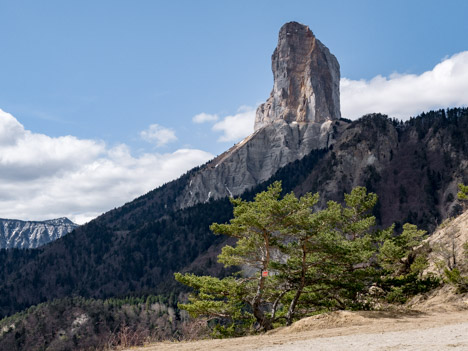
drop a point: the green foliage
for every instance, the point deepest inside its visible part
(329, 256)
(456, 278)
(316, 260)
(217, 299)
(411, 237)
(463, 192)
(396, 295)
(255, 225)
(399, 288)
(404, 260)
(457, 274)
(397, 253)
(419, 264)
(390, 255)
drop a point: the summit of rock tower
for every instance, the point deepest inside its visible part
(306, 80)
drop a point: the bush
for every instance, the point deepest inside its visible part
(455, 278)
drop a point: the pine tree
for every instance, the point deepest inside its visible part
(328, 251)
(255, 226)
(296, 259)
(397, 254)
(463, 192)
(292, 256)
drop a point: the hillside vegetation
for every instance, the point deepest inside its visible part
(298, 260)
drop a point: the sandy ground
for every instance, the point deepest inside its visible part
(344, 330)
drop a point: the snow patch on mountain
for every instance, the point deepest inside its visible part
(32, 234)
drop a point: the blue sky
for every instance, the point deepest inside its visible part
(125, 79)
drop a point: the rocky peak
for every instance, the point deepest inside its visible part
(306, 80)
(302, 114)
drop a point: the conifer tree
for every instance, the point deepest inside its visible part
(398, 255)
(328, 251)
(287, 250)
(296, 259)
(255, 226)
(463, 192)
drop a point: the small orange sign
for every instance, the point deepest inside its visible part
(264, 273)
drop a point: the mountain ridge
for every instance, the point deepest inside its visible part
(15, 233)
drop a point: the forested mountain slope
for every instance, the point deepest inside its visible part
(414, 166)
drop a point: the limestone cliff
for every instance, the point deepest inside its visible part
(298, 117)
(306, 80)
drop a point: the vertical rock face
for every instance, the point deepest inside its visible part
(306, 80)
(299, 116)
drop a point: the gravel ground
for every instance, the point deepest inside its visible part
(368, 330)
(450, 337)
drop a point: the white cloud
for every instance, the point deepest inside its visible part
(158, 135)
(204, 117)
(405, 95)
(10, 129)
(238, 126)
(43, 177)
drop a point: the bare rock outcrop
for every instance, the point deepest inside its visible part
(254, 160)
(298, 117)
(15, 233)
(306, 80)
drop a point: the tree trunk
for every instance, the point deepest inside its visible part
(292, 306)
(262, 320)
(275, 304)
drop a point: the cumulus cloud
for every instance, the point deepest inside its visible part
(204, 117)
(158, 135)
(10, 129)
(405, 95)
(238, 126)
(43, 177)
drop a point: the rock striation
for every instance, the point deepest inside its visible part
(298, 117)
(306, 80)
(32, 234)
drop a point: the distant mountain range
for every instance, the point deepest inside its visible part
(32, 234)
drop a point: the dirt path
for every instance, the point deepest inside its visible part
(344, 330)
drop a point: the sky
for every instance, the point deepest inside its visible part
(102, 101)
